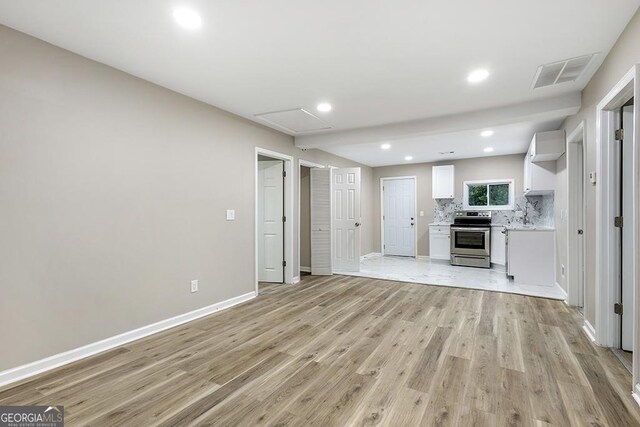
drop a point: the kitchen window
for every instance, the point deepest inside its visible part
(489, 195)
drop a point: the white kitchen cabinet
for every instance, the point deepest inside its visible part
(443, 182)
(540, 177)
(547, 146)
(531, 256)
(498, 254)
(439, 242)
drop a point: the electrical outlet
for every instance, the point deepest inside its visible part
(194, 286)
(421, 213)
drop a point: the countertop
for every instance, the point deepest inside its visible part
(517, 227)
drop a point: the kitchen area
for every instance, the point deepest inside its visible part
(492, 226)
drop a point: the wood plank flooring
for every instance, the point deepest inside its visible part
(338, 350)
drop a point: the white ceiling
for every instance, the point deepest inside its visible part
(509, 139)
(377, 62)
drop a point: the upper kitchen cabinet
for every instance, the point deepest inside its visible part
(539, 177)
(443, 180)
(547, 146)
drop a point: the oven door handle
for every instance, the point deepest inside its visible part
(480, 229)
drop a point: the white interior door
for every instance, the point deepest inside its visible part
(627, 231)
(345, 218)
(270, 221)
(399, 216)
(580, 222)
(320, 222)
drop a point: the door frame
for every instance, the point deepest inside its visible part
(575, 289)
(607, 322)
(288, 213)
(415, 210)
(307, 164)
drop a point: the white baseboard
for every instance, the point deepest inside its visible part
(305, 269)
(566, 295)
(423, 257)
(295, 280)
(370, 255)
(636, 393)
(39, 366)
(589, 330)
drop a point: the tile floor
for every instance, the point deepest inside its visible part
(436, 272)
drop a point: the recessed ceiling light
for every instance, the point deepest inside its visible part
(477, 76)
(486, 133)
(187, 18)
(488, 149)
(324, 107)
(408, 158)
(385, 146)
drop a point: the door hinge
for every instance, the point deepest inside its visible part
(383, 217)
(617, 308)
(284, 174)
(619, 134)
(618, 222)
(284, 219)
(284, 263)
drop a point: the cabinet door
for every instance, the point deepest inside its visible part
(443, 182)
(527, 173)
(439, 246)
(497, 246)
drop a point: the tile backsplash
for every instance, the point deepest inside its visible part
(539, 211)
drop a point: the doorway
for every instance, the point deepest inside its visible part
(617, 219)
(624, 306)
(304, 215)
(576, 217)
(398, 222)
(273, 210)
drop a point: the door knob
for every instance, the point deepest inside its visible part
(358, 224)
(412, 224)
(412, 219)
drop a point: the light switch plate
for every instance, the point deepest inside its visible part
(231, 214)
(194, 286)
(421, 213)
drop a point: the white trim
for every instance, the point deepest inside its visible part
(288, 212)
(305, 269)
(425, 257)
(575, 289)
(295, 280)
(512, 195)
(34, 368)
(415, 209)
(307, 164)
(589, 330)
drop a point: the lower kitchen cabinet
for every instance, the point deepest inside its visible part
(439, 242)
(531, 256)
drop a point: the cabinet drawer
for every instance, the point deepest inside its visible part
(439, 229)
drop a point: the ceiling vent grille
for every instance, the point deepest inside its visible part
(297, 120)
(565, 71)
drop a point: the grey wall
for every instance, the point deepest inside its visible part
(113, 194)
(496, 167)
(625, 53)
(305, 217)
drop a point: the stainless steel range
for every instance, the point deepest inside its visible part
(471, 239)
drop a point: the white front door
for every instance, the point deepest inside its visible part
(270, 221)
(346, 222)
(399, 216)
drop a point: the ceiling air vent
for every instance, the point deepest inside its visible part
(297, 120)
(565, 71)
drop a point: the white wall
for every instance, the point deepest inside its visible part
(113, 194)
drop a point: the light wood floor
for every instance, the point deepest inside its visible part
(339, 351)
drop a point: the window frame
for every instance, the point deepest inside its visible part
(488, 182)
